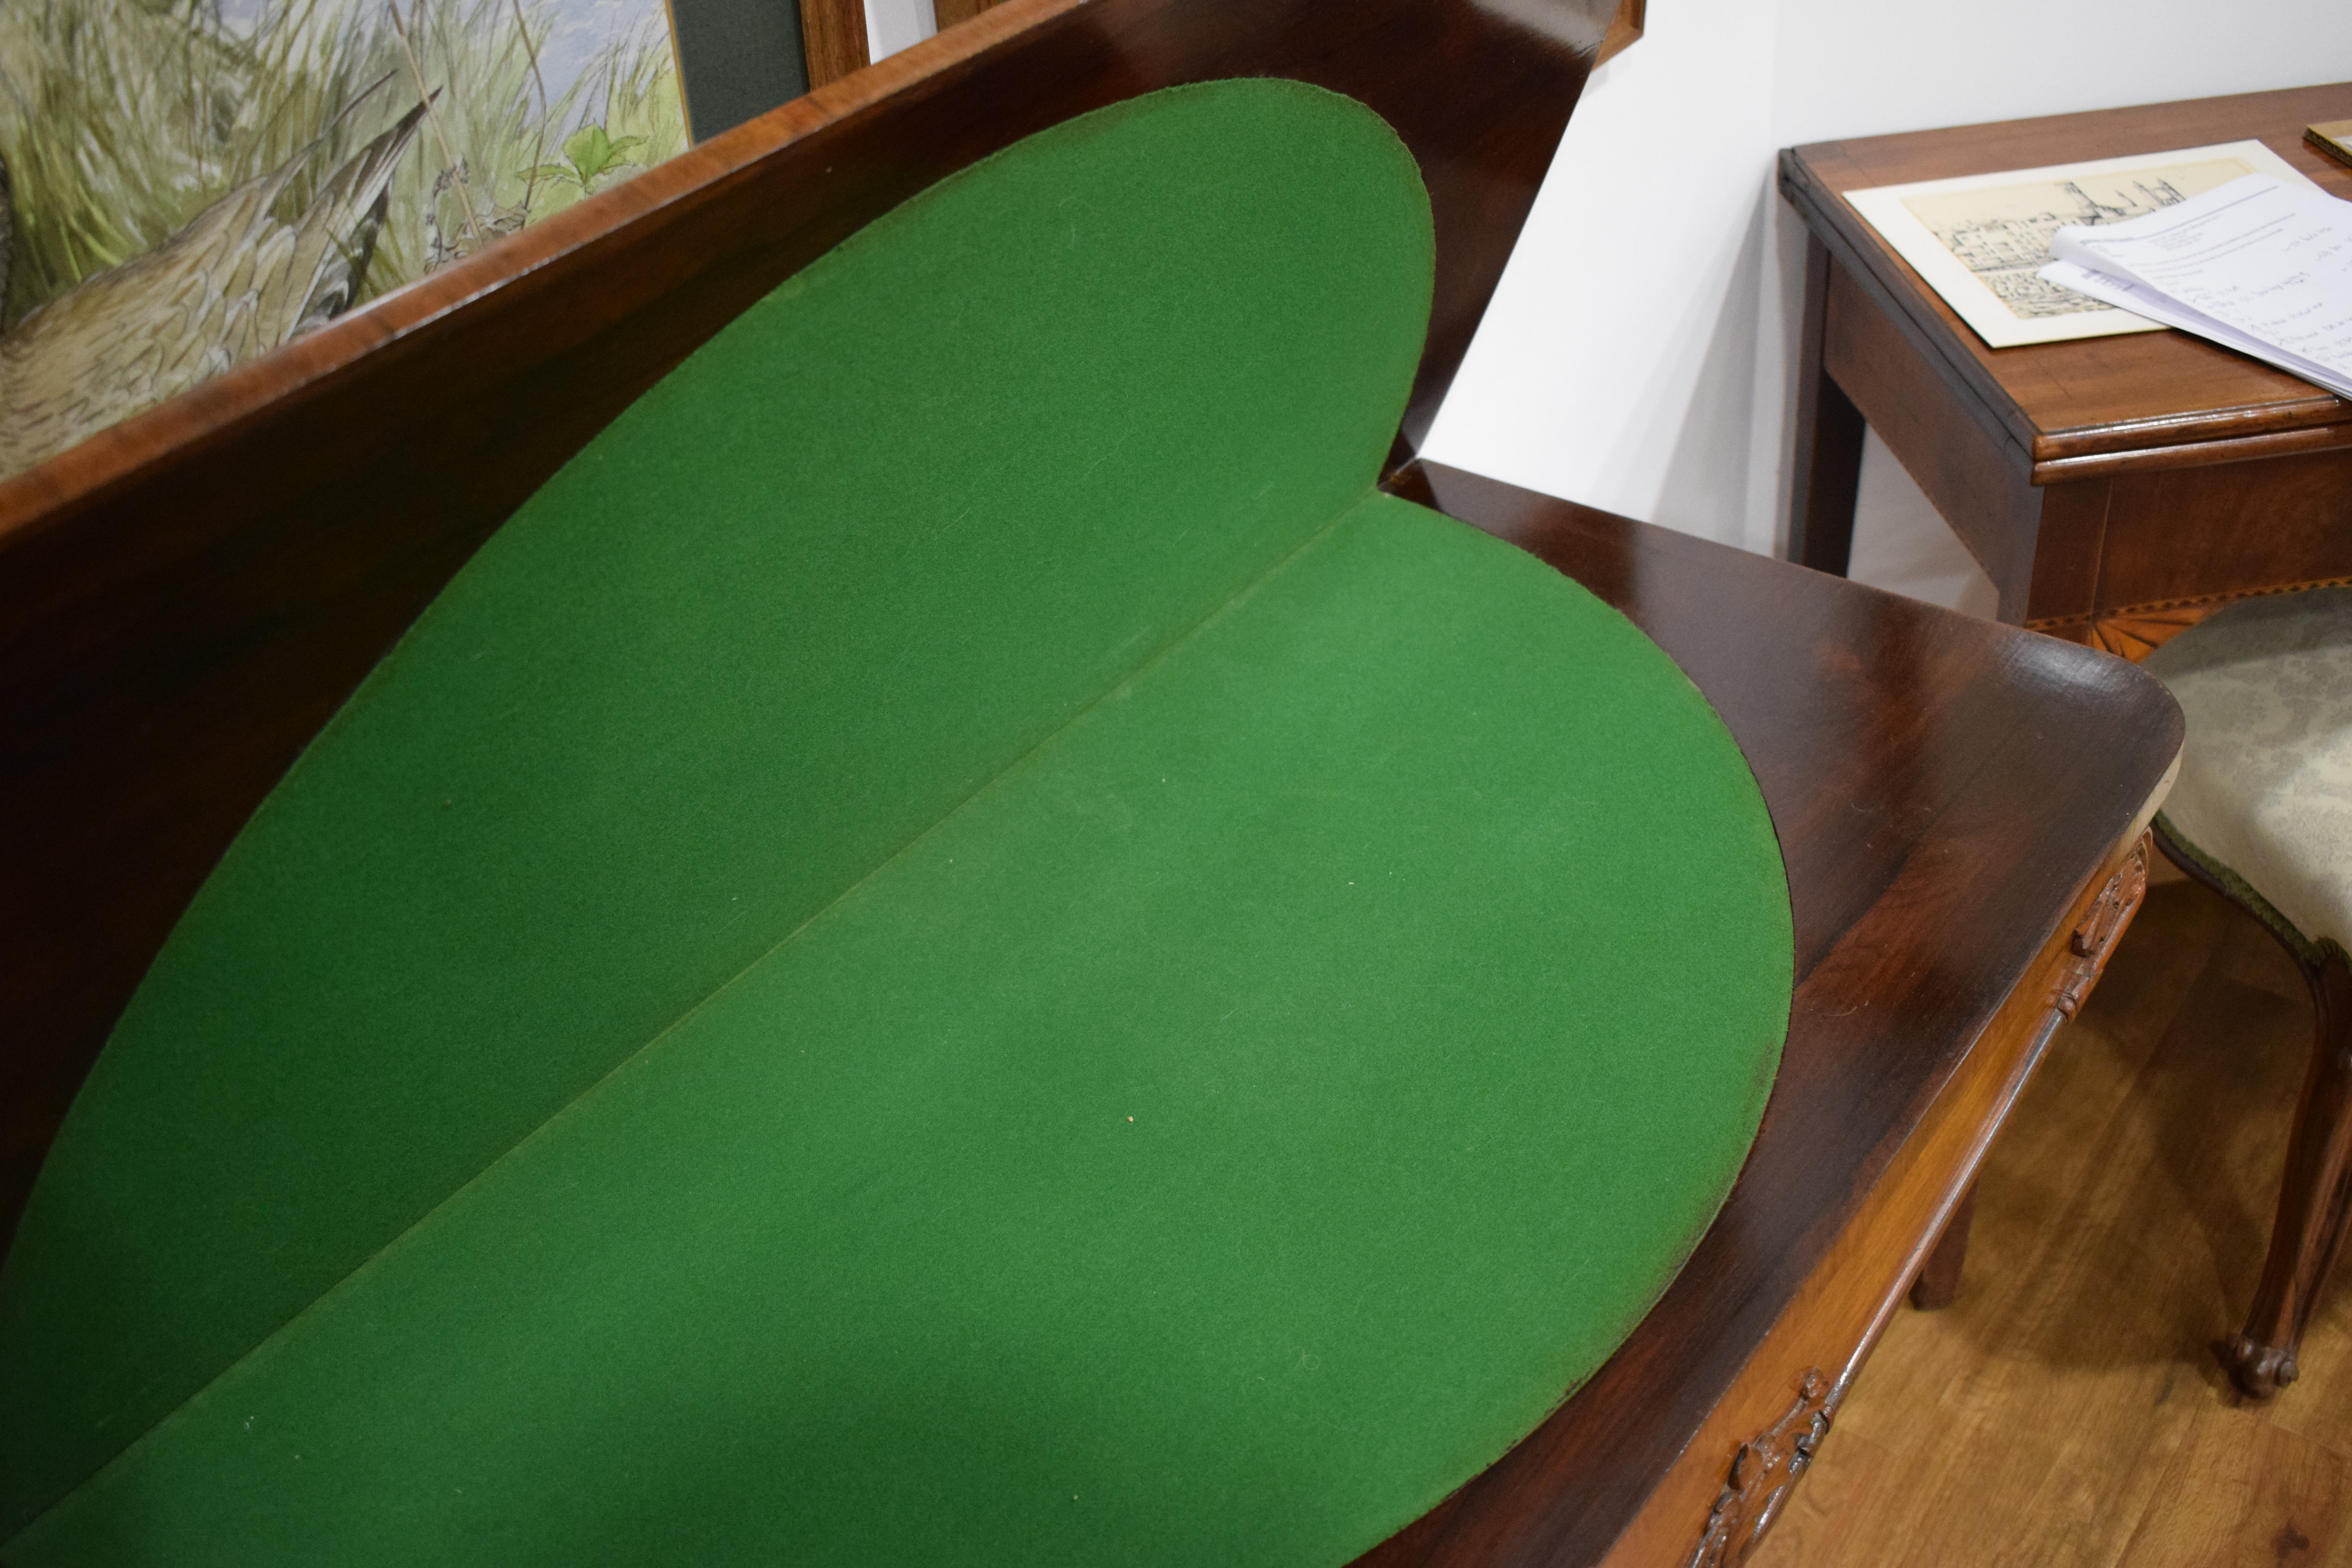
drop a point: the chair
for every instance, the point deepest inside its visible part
(184, 600)
(2262, 812)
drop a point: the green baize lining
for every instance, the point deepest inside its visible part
(943, 764)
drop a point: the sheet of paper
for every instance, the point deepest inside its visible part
(2142, 301)
(1978, 239)
(2269, 261)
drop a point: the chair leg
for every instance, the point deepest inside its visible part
(1938, 1285)
(2312, 1198)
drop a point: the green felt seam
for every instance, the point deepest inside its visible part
(1070, 401)
(801, 1200)
(989, 923)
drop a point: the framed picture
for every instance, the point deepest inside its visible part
(1979, 239)
(186, 184)
(189, 183)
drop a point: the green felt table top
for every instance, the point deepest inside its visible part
(957, 946)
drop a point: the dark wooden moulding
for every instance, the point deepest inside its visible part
(186, 599)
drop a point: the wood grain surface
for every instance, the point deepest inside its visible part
(1939, 1284)
(2114, 489)
(1624, 29)
(2068, 1408)
(1825, 470)
(1941, 839)
(832, 40)
(2096, 395)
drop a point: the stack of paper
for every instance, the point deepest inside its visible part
(2261, 266)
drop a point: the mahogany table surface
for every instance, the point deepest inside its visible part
(1945, 790)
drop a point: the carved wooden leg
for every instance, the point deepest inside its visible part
(1828, 460)
(2312, 1197)
(1938, 1285)
(1762, 1473)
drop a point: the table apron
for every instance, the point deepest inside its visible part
(1816, 1348)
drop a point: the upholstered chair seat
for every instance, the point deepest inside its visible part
(2263, 810)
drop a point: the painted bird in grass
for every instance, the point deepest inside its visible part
(236, 282)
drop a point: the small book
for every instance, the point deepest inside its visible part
(2333, 137)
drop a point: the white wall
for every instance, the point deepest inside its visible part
(1638, 355)
(895, 25)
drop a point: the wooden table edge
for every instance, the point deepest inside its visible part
(55, 491)
(1937, 332)
(1855, 248)
(1735, 1466)
(1731, 1480)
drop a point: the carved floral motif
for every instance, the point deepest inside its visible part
(1766, 1468)
(2096, 937)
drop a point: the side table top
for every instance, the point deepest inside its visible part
(2147, 394)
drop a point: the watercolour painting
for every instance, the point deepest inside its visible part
(187, 183)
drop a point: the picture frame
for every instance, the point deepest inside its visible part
(188, 184)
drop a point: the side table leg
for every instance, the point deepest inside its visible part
(1828, 457)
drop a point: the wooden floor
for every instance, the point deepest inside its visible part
(2068, 1410)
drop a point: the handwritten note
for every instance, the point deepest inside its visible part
(2263, 266)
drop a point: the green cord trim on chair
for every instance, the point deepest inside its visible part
(2311, 954)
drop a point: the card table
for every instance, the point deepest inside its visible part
(186, 599)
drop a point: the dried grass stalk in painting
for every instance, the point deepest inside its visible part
(186, 183)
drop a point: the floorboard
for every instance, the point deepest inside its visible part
(2067, 1411)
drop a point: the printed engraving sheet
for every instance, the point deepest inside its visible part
(1981, 240)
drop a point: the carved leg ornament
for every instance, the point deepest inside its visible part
(2313, 1207)
(1766, 1468)
(2092, 944)
(2102, 926)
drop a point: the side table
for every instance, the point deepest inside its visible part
(2116, 489)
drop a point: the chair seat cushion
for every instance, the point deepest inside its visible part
(2264, 796)
(958, 946)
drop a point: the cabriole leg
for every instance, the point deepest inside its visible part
(2312, 1196)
